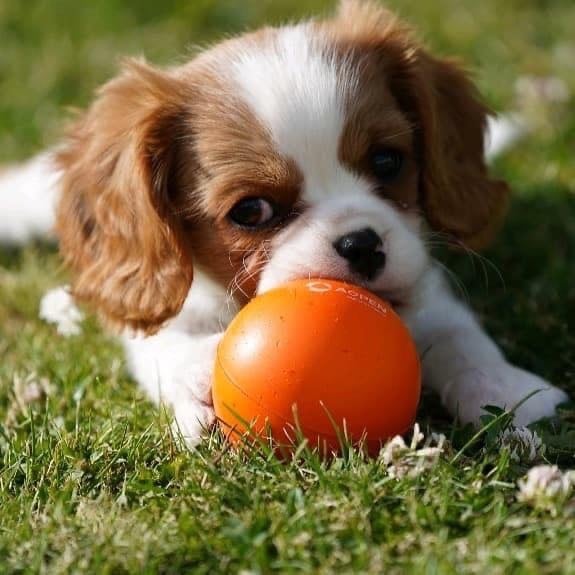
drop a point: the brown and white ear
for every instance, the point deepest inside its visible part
(459, 196)
(116, 219)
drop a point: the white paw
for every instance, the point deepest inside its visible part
(191, 420)
(191, 390)
(504, 386)
(192, 375)
(176, 370)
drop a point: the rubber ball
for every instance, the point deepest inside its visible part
(317, 359)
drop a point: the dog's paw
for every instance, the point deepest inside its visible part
(191, 385)
(192, 375)
(542, 404)
(504, 386)
(191, 420)
(176, 370)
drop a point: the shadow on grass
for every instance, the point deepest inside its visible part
(524, 286)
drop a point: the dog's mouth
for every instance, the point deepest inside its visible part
(396, 298)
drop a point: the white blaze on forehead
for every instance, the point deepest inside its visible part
(296, 88)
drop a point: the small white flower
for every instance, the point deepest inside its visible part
(122, 500)
(57, 307)
(522, 443)
(402, 460)
(546, 485)
(418, 436)
(78, 394)
(393, 450)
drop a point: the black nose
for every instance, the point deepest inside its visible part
(362, 249)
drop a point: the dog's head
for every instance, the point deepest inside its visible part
(325, 149)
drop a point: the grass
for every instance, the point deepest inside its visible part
(91, 479)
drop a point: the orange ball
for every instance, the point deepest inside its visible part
(318, 356)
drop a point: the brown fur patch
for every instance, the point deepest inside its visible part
(236, 160)
(374, 119)
(115, 221)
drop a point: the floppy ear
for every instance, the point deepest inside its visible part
(116, 219)
(458, 196)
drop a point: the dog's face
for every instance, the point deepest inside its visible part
(318, 150)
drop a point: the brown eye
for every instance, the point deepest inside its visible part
(252, 213)
(386, 164)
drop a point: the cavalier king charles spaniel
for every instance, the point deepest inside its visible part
(326, 149)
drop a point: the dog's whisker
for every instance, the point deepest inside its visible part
(456, 280)
(486, 262)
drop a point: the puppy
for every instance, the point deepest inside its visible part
(327, 149)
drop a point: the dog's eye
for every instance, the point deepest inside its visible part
(252, 213)
(386, 164)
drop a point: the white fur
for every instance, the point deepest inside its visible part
(28, 195)
(174, 367)
(294, 87)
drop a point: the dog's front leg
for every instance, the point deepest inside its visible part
(465, 367)
(175, 369)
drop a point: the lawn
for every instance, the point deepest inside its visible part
(91, 479)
